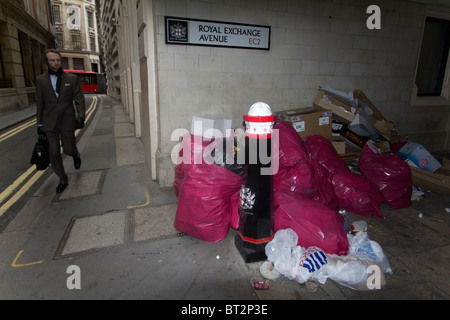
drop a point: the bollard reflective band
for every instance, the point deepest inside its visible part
(259, 127)
(258, 135)
(256, 241)
(259, 118)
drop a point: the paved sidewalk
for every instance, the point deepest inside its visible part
(10, 119)
(117, 227)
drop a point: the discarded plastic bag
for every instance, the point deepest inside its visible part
(363, 268)
(285, 255)
(205, 197)
(361, 245)
(315, 224)
(225, 154)
(315, 262)
(359, 270)
(390, 173)
(269, 271)
(355, 273)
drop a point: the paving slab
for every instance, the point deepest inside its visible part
(118, 109)
(102, 131)
(95, 232)
(122, 118)
(82, 184)
(154, 222)
(123, 130)
(129, 151)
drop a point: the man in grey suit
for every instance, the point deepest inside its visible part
(57, 118)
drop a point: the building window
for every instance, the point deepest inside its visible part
(65, 63)
(56, 14)
(4, 82)
(59, 41)
(2, 69)
(433, 57)
(76, 42)
(90, 19)
(78, 63)
(432, 85)
(92, 43)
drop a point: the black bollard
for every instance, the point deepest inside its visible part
(256, 195)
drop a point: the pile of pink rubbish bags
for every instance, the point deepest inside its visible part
(311, 185)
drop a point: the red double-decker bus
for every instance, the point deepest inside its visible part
(91, 82)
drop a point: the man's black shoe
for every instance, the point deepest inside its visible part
(77, 163)
(61, 187)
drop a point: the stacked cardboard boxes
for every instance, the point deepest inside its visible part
(308, 121)
(356, 116)
(356, 119)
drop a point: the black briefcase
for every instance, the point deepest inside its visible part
(40, 155)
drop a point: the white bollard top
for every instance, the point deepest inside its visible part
(260, 109)
(259, 121)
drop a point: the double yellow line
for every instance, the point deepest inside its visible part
(16, 130)
(37, 174)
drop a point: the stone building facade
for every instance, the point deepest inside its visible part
(25, 33)
(77, 34)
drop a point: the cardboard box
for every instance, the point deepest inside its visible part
(308, 121)
(352, 138)
(345, 107)
(336, 127)
(417, 155)
(381, 125)
(341, 110)
(362, 125)
(367, 106)
(338, 144)
(438, 181)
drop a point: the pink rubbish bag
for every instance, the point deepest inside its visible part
(390, 173)
(322, 151)
(295, 173)
(235, 198)
(291, 147)
(205, 198)
(324, 190)
(355, 193)
(314, 223)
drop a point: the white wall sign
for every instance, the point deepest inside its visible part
(73, 20)
(213, 33)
